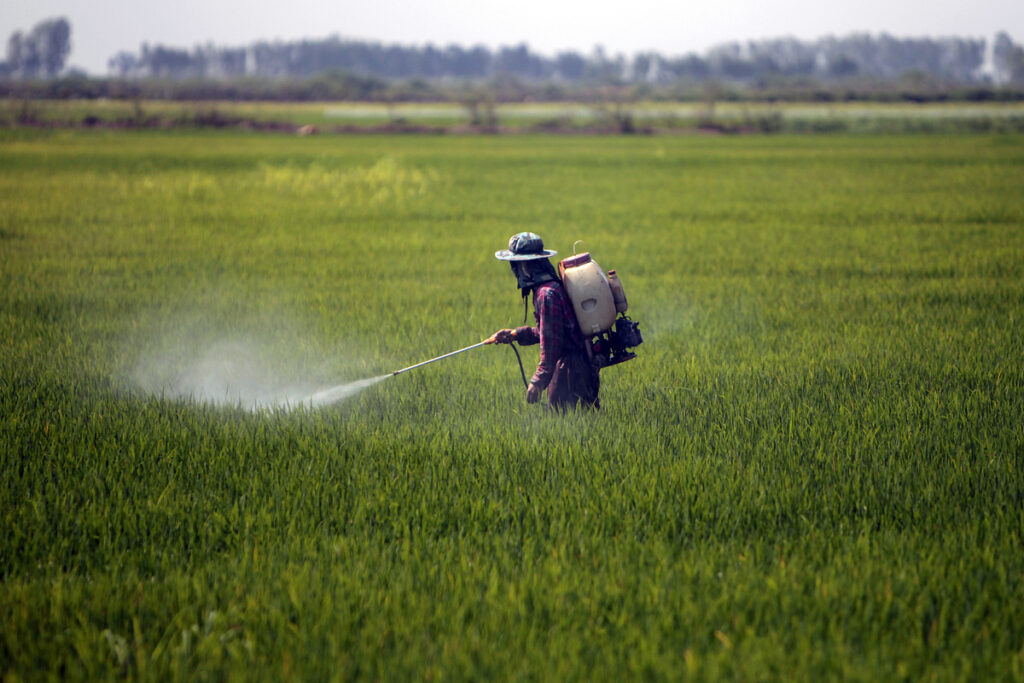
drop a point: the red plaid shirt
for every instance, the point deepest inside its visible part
(557, 331)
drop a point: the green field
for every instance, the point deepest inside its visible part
(512, 117)
(814, 469)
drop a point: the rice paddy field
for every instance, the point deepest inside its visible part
(814, 469)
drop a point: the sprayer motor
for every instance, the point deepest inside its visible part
(614, 346)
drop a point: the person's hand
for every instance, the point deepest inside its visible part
(532, 393)
(502, 337)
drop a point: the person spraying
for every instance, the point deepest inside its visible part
(565, 370)
(581, 327)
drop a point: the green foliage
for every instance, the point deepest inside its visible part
(813, 469)
(609, 113)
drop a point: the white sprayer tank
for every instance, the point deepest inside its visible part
(591, 296)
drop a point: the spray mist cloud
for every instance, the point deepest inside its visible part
(238, 374)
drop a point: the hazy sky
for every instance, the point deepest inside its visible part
(101, 28)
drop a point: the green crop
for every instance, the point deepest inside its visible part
(814, 468)
(610, 115)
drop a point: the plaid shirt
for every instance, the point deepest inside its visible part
(557, 332)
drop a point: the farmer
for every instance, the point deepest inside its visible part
(564, 369)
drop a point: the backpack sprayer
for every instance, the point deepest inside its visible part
(597, 299)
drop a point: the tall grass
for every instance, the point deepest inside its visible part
(813, 469)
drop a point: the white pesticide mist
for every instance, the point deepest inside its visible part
(340, 392)
(236, 374)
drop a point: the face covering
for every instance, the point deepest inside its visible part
(530, 274)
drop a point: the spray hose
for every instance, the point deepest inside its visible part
(520, 361)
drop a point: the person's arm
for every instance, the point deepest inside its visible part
(526, 335)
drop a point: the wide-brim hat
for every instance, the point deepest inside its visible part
(524, 246)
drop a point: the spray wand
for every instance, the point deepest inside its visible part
(488, 341)
(334, 394)
(434, 360)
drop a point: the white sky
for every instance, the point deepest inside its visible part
(101, 28)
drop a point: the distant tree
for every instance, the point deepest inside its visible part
(731, 62)
(570, 66)
(40, 53)
(478, 61)
(1008, 60)
(165, 62)
(785, 56)
(603, 69)
(647, 67)
(1002, 51)
(123, 64)
(962, 60)
(22, 57)
(842, 67)
(1017, 65)
(519, 61)
(54, 37)
(691, 67)
(472, 63)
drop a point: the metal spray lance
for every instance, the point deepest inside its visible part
(434, 360)
(488, 341)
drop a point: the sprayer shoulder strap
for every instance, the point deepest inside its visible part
(573, 331)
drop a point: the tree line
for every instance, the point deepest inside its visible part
(42, 53)
(949, 60)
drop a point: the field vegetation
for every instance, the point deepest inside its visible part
(480, 112)
(814, 469)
